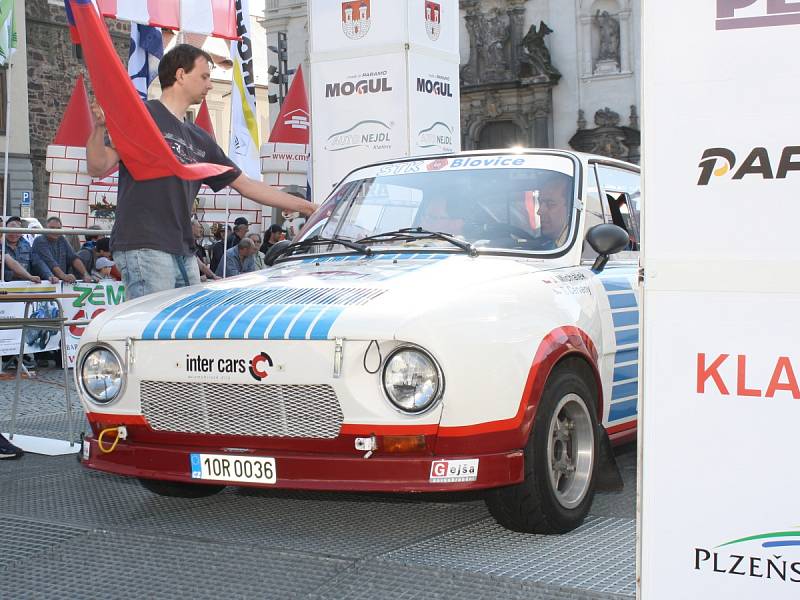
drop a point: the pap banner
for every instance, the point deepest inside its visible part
(384, 78)
(721, 399)
(92, 300)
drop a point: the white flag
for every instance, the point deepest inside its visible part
(245, 141)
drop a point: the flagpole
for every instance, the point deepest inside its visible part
(5, 166)
(228, 196)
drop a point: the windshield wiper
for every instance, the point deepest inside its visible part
(409, 234)
(318, 240)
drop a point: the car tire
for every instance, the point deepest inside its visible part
(560, 458)
(176, 489)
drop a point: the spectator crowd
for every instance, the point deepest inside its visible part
(51, 257)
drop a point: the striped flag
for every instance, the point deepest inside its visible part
(147, 48)
(245, 143)
(8, 32)
(210, 17)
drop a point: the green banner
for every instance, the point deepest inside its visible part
(8, 31)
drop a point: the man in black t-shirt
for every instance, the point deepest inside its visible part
(152, 237)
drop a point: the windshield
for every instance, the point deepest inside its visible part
(506, 202)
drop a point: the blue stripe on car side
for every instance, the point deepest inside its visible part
(613, 285)
(623, 410)
(622, 301)
(625, 318)
(624, 356)
(627, 336)
(626, 372)
(624, 390)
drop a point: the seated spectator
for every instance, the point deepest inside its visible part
(240, 228)
(91, 240)
(258, 257)
(56, 256)
(19, 257)
(239, 259)
(274, 234)
(102, 268)
(103, 250)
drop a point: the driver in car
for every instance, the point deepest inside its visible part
(554, 208)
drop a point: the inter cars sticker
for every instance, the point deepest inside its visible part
(454, 471)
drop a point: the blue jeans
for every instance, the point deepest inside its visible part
(148, 271)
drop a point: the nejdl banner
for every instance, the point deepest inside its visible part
(92, 300)
(721, 312)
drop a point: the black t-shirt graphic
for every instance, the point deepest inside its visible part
(156, 213)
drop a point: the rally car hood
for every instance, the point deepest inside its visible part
(313, 298)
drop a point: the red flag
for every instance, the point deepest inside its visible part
(203, 120)
(136, 137)
(291, 126)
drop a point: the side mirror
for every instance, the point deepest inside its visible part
(606, 239)
(275, 251)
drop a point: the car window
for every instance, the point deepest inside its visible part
(622, 200)
(523, 203)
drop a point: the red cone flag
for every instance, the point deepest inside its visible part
(293, 122)
(77, 122)
(203, 120)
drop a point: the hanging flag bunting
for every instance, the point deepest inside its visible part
(136, 137)
(245, 142)
(209, 17)
(294, 121)
(8, 32)
(147, 48)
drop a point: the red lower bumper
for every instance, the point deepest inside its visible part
(309, 471)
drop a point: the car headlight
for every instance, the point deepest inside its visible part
(101, 375)
(412, 380)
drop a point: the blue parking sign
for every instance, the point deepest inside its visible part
(27, 199)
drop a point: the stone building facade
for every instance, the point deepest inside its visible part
(536, 73)
(52, 70)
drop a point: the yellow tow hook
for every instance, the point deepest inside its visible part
(122, 434)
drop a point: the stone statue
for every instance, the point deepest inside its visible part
(535, 60)
(495, 33)
(609, 37)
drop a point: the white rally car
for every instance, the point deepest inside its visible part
(452, 323)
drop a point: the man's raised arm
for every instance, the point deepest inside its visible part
(100, 159)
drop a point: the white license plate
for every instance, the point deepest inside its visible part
(225, 467)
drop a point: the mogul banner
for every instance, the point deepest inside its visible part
(719, 510)
(384, 74)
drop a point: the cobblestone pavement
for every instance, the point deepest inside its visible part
(73, 533)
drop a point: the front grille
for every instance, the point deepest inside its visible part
(301, 411)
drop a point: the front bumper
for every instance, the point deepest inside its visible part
(310, 471)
